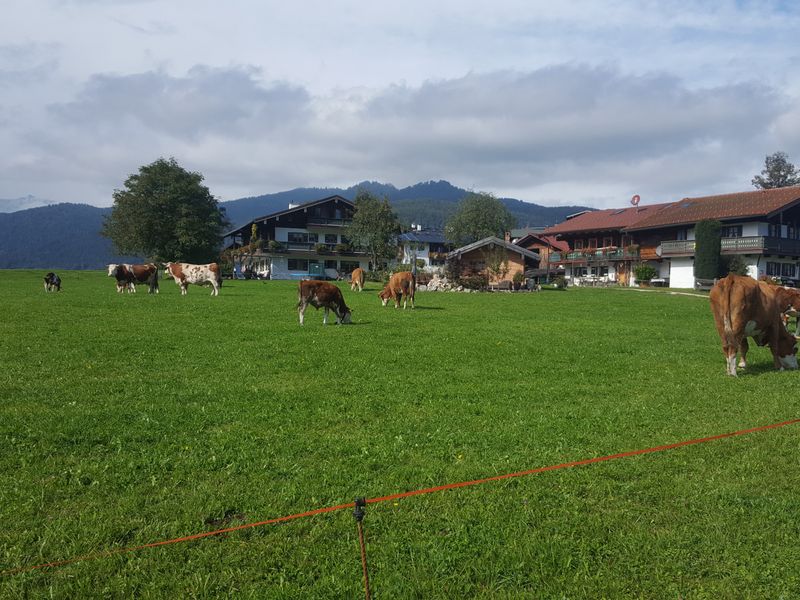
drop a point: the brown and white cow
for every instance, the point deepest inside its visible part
(128, 276)
(744, 307)
(321, 294)
(789, 304)
(186, 273)
(400, 284)
(357, 279)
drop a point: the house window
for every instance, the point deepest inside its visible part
(578, 244)
(330, 238)
(298, 264)
(773, 269)
(592, 243)
(788, 270)
(301, 237)
(607, 241)
(774, 230)
(348, 266)
(330, 264)
(680, 235)
(731, 231)
(792, 232)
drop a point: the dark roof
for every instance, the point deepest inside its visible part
(286, 211)
(425, 236)
(492, 240)
(759, 203)
(609, 219)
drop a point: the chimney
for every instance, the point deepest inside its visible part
(419, 226)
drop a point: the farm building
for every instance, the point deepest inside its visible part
(302, 241)
(762, 226)
(497, 259)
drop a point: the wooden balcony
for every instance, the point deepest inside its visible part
(597, 255)
(759, 244)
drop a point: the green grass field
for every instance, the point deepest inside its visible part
(126, 420)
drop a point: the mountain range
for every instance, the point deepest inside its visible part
(67, 236)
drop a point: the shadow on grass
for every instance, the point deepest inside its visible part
(756, 369)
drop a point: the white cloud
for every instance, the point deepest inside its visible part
(571, 103)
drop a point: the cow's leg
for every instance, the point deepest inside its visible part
(301, 311)
(184, 288)
(743, 348)
(325, 317)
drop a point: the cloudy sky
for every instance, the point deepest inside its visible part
(582, 102)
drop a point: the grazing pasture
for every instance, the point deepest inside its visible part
(128, 419)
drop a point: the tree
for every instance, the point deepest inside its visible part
(778, 172)
(374, 227)
(707, 249)
(165, 213)
(479, 215)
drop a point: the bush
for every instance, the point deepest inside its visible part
(518, 277)
(707, 249)
(379, 276)
(560, 282)
(734, 264)
(644, 272)
(474, 282)
(343, 248)
(321, 249)
(274, 246)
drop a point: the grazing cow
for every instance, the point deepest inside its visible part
(185, 273)
(400, 284)
(122, 274)
(789, 305)
(357, 279)
(128, 276)
(52, 282)
(321, 294)
(744, 307)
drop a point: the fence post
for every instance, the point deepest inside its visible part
(358, 515)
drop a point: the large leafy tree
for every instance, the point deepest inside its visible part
(165, 212)
(777, 172)
(374, 227)
(479, 215)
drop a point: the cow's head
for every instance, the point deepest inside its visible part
(112, 269)
(346, 316)
(168, 269)
(385, 295)
(787, 350)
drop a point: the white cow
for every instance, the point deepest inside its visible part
(186, 273)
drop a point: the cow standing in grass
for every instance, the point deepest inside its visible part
(357, 279)
(128, 276)
(186, 273)
(52, 282)
(744, 307)
(321, 294)
(400, 284)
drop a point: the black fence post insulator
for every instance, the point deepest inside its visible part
(358, 515)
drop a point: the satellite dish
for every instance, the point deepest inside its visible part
(659, 250)
(635, 199)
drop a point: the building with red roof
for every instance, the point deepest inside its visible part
(761, 226)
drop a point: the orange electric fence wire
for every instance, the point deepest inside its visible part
(429, 490)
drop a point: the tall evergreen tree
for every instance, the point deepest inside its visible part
(165, 213)
(707, 249)
(777, 172)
